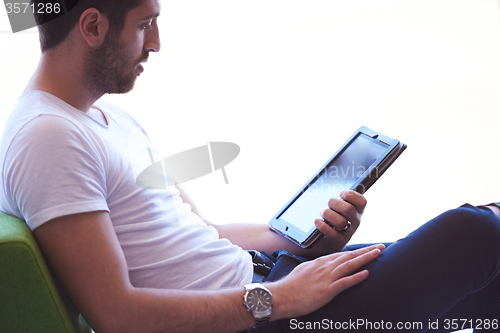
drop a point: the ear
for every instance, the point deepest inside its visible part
(93, 26)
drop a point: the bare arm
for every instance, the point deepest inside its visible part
(258, 236)
(85, 254)
(249, 236)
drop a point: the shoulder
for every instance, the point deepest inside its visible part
(50, 135)
(34, 123)
(39, 115)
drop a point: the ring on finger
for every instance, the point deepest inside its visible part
(347, 227)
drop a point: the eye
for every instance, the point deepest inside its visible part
(148, 26)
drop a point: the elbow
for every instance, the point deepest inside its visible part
(114, 325)
(108, 324)
(112, 318)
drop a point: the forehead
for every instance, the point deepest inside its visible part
(146, 10)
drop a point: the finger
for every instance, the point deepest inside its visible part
(352, 262)
(369, 248)
(347, 282)
(331, 233)
(353, 254)
(339, 213)
(354, 198)
(336, 218)
(351, 212)
(365, 249)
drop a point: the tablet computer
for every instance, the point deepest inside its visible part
(361, 160)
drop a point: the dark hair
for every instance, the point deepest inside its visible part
(54, 27)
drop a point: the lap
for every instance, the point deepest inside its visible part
(439, 268)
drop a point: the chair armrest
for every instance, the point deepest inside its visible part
(30, 299)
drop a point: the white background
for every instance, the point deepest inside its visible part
(289, 81)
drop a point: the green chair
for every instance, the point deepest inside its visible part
(30, 299)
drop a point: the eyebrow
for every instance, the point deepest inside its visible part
(150, 16)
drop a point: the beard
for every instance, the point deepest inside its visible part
(109, 69)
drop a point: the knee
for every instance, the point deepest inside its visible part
(472, 227)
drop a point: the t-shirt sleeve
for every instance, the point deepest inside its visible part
(54, 169)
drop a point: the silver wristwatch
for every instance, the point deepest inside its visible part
(258, 300)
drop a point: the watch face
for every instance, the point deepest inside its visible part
(259, 300)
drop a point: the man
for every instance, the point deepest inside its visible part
(124, 253)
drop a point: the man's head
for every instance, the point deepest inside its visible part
(111, 68)
(108, 40)
(54, 31)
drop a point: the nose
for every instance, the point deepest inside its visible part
(152, 43)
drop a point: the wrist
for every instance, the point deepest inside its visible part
(259, 301)
(282, 301)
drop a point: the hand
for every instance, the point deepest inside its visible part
(349, 208)
(494, 209)
(314, 283)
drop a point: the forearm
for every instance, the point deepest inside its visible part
(97, 280)
(309, 287)
(156, 310)
(253, 236)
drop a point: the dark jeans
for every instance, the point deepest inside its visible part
(440, 278)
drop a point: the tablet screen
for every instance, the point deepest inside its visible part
(339, 175)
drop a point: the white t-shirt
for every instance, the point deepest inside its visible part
(56, 160)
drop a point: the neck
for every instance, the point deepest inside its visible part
(61, 76)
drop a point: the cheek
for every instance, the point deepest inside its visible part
(139, 40)
(134, 44)
(132, 55)
(139, 46)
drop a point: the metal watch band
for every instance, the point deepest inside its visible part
(260, 322)
(261, 318)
